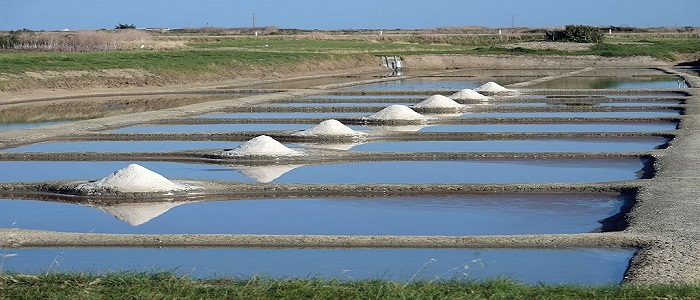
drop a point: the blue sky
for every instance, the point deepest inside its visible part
(354, 14)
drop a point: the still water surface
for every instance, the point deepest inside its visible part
(536, 145)
(421, 215)
(561, 266)
(428, 172)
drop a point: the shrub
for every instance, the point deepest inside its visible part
(583, 34)
(125, 26)
(9, 41)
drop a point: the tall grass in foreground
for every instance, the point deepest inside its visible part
(169, 286)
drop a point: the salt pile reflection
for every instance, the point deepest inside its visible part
(136, 214)
(266, 173)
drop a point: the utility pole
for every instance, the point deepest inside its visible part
(512, 21)
(253, 20)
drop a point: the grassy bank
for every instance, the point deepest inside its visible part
(27, 70)
(202, 57)
(168, 286)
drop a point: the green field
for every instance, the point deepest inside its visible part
(159, 62)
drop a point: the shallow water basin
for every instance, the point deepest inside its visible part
(26, 125)
(337, 104)
(536, 145)
(650, 82)
(628, 104)
(561, 266)
(606, 114)
(123, 146)
(421, 83)
(434, 83)
(591, 103)
(351, 98)
(427, 172)
(420, 215)
(220, 127)
(543, 145)
(554, 127)
(285, 115)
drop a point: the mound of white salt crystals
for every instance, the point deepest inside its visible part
(469, 94)
(438, 101)
(493, 88)
(262, 145)
(397, 112)
(329, 128)
(133, 178)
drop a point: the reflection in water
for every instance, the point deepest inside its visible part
(458, 215)
(283, 115)
(212, 128)
(332, 146)
(445, 115)
(435, 83)
(264, 174)
(399, 128)
(557, 127)
(138, 213)
(533, 145)
(651, 82)
(123, 146)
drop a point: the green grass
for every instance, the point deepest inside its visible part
(310, 46)
(169, 286)
(160, 62)
(663, 48)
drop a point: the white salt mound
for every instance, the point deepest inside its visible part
(329, 128)
(492, 87)
(262, 145)
(397, 112)
(469, 94)
(438, 101)
(134, 178)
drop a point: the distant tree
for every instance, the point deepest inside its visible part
(577, 34)
(583, 34)
(11, 40)
(125, 26)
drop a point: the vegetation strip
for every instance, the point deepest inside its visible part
(163, 285)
